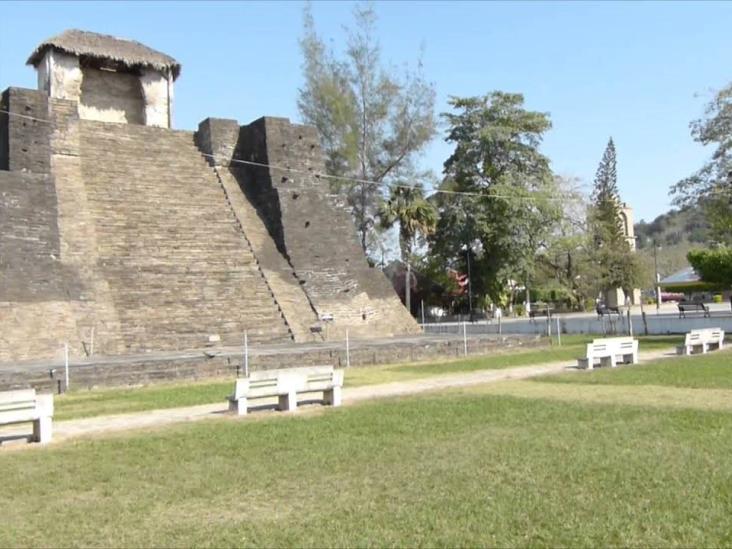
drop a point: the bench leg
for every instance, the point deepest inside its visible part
(608, 361)
(332, 396)
(42, 430)
(238, 406)
(288, 402)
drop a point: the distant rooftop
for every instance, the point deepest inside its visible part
(130, 53)
(681, 278)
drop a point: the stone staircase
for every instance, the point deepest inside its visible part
(292, 299)
(178, 266)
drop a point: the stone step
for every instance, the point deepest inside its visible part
(178, 265)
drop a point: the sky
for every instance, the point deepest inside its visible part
(639, 72)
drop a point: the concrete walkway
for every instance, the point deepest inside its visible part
(64, 430)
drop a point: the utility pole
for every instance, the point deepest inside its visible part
(658, 278)
(470, 284)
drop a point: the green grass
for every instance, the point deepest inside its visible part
(116, 401)
(457, 469)
(99, 402)
(713, 370)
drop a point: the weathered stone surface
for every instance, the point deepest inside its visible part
(136, 370)
(168, 244)
(24, 144)
(128, 232)
(311, 229)
(30, 266)
(112, 97)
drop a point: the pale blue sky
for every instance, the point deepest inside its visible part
(637, 71)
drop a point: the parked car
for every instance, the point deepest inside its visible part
(672, 297)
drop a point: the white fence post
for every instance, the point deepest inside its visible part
(348, 351)
(246, 354)
(559, 332)
(66, 365)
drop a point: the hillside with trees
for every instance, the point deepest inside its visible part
(683, 226)
(674, 233)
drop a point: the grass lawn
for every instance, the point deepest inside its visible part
(455, 469)
(115, 401)
(713, 370)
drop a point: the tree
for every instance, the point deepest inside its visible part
(711, 186)
(617, 266)
(498, 189)
(564, 262)
(407, 207)
(606, 199)
(713, 266)
(372, 121)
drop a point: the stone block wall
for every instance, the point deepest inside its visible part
(4, 138)
(310, 228)
(40, 294)
(127, 232)
(30, 266)
(24, 143)
(218, 139)
(141, 370)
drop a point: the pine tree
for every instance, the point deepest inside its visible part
(616, 263)
(606, 200)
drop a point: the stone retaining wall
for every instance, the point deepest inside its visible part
(123, 371)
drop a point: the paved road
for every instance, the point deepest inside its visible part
(95, 426)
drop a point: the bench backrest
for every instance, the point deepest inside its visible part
(614, 340)
(320, 378)
(17, 405)
(692, 305)
(283, 380)
(599, 350)
(611, 346)
(704, 335)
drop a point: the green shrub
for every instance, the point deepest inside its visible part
(717, 298)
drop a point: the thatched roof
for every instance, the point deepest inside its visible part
(129, 53)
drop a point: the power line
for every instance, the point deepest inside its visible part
(543, 195)
(319, 175)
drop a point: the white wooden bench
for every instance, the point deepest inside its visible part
(286, 384)
(609, 352)
(25, 406)
(702, 340)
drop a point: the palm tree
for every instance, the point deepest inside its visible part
(415, 215)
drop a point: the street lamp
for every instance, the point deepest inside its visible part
(476, 246)
(658, 277)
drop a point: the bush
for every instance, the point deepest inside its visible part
(717, 298)
(519, 309)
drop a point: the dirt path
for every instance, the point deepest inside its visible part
(64, 430)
